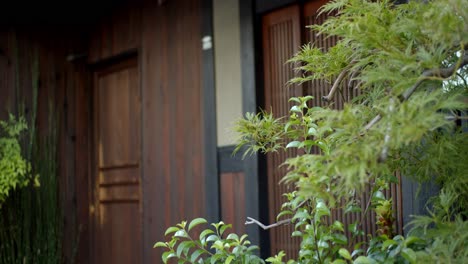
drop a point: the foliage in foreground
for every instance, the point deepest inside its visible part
(409, 64)
(14, 169)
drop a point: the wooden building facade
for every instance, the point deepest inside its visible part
(134, 84)
(134, 105)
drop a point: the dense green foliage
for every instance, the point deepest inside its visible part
(14, 169)
(212, 245)
(409, 64)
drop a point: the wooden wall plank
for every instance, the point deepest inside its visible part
(118, 31)
(173, 181)
(281, 40)
(233, 201)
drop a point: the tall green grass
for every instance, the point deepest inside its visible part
(31, 218)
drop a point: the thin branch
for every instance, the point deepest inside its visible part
(338, 81)
(440, 72)
(454, 117)
(352, 76)
(384, 153)
(373, 122)
(443, 73)
(250, 221)
(336, 84)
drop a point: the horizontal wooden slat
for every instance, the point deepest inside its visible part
(119, 176)
(119, 193)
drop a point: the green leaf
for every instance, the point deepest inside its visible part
(294, 99)
(312, 131)
(232, 236)
(181, 233)
(363, 260)
(344, 253)
(293, 144)
(339, 238)
(296, 109)
(389, 242)
(229, 259)
(412, 240)
(223, 228)
(204, 233)
(195, 222)
(160, 244)
(218, 244)
(212, 238)
(283, 213)
(183, 247)
(409, 255)
(337, 225)
(171, 230)
(296, 233)
(339, 261)
(167, 255)
(197, 253)
(321, 210)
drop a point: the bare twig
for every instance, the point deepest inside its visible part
(453, 117)
(384, 153)
(373, 122)
(336, 84)
(250, 221)
(352, 75)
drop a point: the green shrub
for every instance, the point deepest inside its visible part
(409, 63)
(14, 169)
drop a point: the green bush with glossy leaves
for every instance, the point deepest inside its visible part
(409, 63)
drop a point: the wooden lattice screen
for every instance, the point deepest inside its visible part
(283, 35)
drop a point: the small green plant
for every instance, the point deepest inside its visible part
(14, 169)
(212, 245)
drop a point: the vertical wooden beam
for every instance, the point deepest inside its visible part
(249, 104)
(209, 114)
(82, 151)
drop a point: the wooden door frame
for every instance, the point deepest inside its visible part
(115, 63)
(250, 13)
(85, 154)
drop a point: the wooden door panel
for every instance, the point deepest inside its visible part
(118, 130)
(117, 202)
(281, 40)
(118, 233)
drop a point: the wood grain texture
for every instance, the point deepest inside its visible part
(117, 206)
(281, 40)
(233, 200)
(174, 148)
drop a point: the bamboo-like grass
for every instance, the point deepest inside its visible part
(31, 218)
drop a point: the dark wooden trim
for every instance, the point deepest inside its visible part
(102, 63)
(264, 6)
(227, 162)
(82, 162)
(249, 104)
(415, 197)
(209, 117)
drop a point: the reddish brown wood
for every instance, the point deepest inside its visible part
(116, 207)
(173, 147)
(117, 32)
(281, 40)
(233, 200)
(82, 161)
